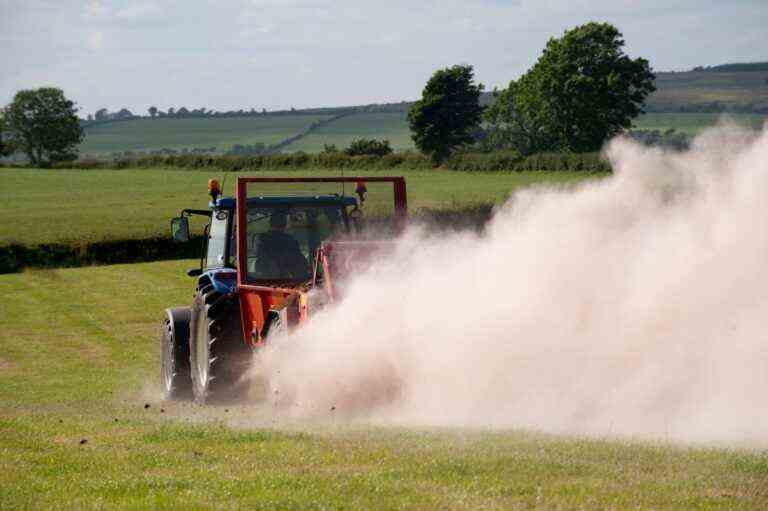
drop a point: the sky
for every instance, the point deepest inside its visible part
(278, 54)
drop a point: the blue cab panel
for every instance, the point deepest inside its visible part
(224, 280)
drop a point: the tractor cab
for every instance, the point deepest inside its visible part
(264, 251)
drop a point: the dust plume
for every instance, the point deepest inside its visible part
(632, 305)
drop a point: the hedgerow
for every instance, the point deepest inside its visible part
(500, 161)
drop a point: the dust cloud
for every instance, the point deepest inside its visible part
(635, 305)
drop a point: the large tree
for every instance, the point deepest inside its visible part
(7, 143)
(44, 124)
(582, 90)
(447, 113)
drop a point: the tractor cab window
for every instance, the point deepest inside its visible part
(283, 241)
(217, 239)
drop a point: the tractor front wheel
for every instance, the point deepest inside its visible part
(174, 354)
(218, 355)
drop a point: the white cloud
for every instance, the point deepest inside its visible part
(352, 51)
(95, 9)
(96, 40)
(139, 10)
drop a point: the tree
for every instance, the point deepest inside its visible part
(8, 144)
(447, 113)
(582, 90)
(45, 124)
(152, 111)
(102, 114)
(124, 113)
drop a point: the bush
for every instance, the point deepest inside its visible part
(330, 148)
(368, 147)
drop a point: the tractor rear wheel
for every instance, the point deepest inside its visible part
(218, 355)
(174, 354)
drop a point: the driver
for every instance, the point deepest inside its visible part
(279, 254)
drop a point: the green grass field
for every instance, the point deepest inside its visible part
(149, 134)
(79, 361)
(692, 123)
(389, 126)
(42, 206)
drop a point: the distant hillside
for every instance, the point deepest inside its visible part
(737, 87)
(737, 67)
(210, 135)
(686, 101)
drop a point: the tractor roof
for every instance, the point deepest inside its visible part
(266, 201)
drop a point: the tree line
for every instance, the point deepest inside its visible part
(153, 112)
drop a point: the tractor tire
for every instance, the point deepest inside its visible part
(218, 355)
(174, 354)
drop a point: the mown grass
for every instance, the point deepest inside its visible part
(79, 362)
(152, 134)
(45, 206)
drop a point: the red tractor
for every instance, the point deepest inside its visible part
(264, 251)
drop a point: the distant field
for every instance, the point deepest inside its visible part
(699, 87)
(692, 123)
(82, 427)
(390, 126)
(394, 127)
(146, 134)
(149, 134)
(41, 206)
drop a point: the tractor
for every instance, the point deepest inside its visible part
(269, 261)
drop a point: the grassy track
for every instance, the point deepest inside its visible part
(79, 361)
(390, 126)
(41, 206)
(148, 134)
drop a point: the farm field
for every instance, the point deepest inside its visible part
(150, 134)
(694, 123)
(389, 126)
(394, 127)
(79, 367)
(706, 87)
(146, 134)
(44, 206)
